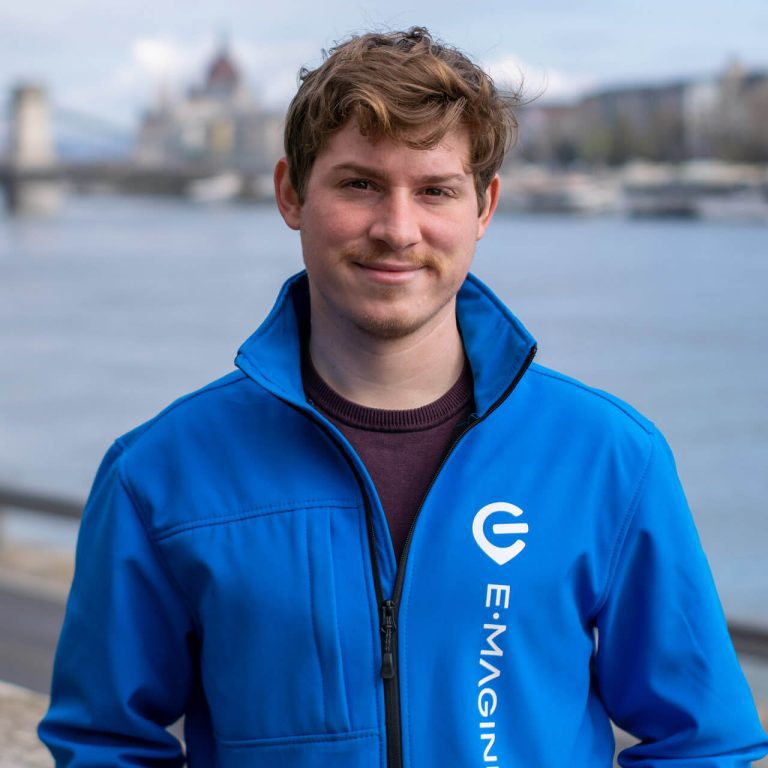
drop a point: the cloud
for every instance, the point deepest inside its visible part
(161, 57)
(159, 64)
(118, 93)
(538, 82)
(166, 66)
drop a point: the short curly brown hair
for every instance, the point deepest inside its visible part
(405, 86)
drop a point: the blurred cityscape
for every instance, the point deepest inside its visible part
(692, 148)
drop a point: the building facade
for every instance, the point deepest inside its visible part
(218, 125)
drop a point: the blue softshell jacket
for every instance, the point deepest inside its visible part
(234, 566)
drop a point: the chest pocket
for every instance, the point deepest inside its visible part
(285, 607)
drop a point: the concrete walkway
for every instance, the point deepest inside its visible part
(20, 712)
(33, 587)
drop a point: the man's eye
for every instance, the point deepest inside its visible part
(358, 184)
(435, 192)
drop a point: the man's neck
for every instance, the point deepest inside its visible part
(393, 374)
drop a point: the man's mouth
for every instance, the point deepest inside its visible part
(390, 272)
(391, 266)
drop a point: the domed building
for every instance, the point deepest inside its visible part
(217, 125)
(223, 78)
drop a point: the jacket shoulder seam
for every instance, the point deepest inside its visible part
(125, 446)
(646, 426)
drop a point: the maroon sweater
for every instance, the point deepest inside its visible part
(401, 450)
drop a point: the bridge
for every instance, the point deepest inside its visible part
(99, 156)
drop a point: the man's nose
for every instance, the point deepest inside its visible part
(396, 221)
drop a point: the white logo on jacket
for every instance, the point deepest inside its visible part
(501, 555)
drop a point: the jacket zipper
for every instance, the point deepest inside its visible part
(389, 608)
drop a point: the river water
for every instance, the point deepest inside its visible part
(114, 307)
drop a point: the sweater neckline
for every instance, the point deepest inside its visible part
(428, 416)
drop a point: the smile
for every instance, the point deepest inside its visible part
(390, 273)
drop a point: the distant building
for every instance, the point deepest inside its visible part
(633, 122)
(702, 102)
(548, 134)
(722, 117)
(726, 117)
(218, 125)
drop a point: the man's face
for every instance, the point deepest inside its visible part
(387, 232)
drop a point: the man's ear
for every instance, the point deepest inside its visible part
(491, 201)
(286, 197)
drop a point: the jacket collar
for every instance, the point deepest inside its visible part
(498, 346)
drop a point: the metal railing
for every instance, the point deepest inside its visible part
(747, 639)
(11, 498)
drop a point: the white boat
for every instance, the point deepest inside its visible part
(214, 189)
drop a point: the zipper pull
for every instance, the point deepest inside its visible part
(388, 627)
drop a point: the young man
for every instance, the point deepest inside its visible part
(388, 539)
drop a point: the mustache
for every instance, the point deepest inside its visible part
(371, 257)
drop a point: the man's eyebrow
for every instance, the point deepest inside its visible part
(373, 173)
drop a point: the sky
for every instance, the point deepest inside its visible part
(110, 59)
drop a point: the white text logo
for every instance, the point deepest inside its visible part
(499, 554)
(491, 654)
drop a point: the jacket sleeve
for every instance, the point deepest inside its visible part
(124, 661)
(665, 665)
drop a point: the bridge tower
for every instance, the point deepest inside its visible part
(32, 187)
(31, 136)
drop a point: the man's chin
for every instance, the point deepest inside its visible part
(388, 327)
(395, 322)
